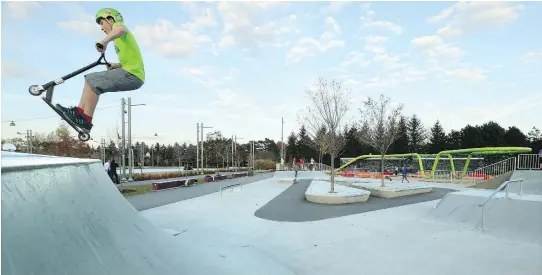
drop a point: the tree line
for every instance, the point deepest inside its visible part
(412, 136)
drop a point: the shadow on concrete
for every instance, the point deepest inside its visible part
(291, 205)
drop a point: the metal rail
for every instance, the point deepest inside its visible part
(503, 185)
(230, 186)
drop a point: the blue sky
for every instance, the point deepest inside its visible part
(239, 66)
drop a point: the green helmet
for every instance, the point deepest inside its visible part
(106, 13)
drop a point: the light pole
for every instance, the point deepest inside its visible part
(235, 149)
(197, 150)
(207, 127)
(28, 140)
(123, 142)
(282, 139)
(252, 151)
(102, 144)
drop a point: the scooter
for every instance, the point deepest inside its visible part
(37, 90)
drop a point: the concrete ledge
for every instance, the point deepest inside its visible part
(287, 181)
(173, 184)
(318, 192)
(393, 190)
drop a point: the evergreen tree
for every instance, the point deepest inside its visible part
(303, 142)
(400, 146)
(291, 148)
(416, 134)
(437, 140)
(353, 147)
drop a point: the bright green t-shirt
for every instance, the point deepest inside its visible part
(129, 55)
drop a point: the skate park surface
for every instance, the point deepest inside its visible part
(64, 216)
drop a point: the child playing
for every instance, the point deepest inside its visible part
(127, 75)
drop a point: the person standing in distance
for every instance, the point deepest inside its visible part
(127, 75)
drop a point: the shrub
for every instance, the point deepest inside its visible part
(264, 164)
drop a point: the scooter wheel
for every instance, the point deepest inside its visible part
(35, 90)
(84, 136)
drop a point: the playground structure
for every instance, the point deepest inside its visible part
(451, 158)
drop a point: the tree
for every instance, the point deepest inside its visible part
(470, 137)
(492, 134)
(535, 139)
(353, 147)
(319, 143)
(437, 140)
(416, 134)
(514, 137)
(382, 124)
(401, 146)
(291, 148)
(454, 140)
(303, 148)
(272, 147)
(328, 108)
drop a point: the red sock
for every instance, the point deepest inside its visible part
(80, 111)
(87, 118)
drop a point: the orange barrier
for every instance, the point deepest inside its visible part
(364, 175)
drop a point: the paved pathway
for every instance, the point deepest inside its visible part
(167, 196)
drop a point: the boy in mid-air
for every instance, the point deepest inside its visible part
(127, 75)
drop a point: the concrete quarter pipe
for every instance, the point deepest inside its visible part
(65, 216)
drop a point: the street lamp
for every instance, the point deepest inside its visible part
(206, 127)
(130, 156)
(28, 140)
(234, 149)
(282, 139)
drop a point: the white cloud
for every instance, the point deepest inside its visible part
(375, 43)
(533, 55)
(170, 40)
(357, 59)
(230, 99)
(243, 25)
(308, 46)
(83, 24)
(466, 74)
(390, 62)
(479, 114)
(212, 77)
(434, 47)
(17, 70)
(469, 16)
(334, 7)
(20, 9)
(380, 25)
(448, 31)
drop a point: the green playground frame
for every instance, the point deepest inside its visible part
(449, 154)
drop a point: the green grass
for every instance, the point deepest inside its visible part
(135, 190)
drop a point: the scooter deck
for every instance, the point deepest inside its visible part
(61, 114)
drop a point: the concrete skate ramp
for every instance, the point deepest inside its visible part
(65, 216)
(515, 218)
(532, 181)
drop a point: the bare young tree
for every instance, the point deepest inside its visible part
(380, 124)
(328, 108)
